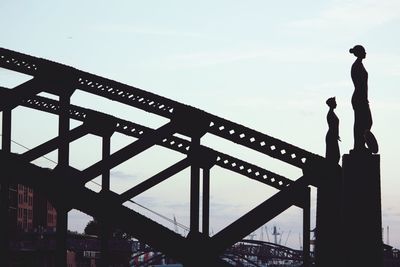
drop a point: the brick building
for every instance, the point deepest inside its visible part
(30, 211)
(25, 208)
(13, 208)
(44, 214)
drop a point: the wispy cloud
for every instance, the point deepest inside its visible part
(278, 54)
(385, 63)
(352, 15)
(142, 30)
(388, 105)
(303, 100)
(123, 175)
(394, 71)
(391, 212)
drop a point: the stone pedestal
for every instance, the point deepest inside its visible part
(361, 211)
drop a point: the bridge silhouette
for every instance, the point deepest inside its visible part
(65, 185)
(243, 253)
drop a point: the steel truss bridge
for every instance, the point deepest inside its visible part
(65, 184)
(265, 252)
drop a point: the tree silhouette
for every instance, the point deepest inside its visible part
(93, 227)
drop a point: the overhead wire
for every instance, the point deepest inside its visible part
(184, 227)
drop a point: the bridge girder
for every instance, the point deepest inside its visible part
(64, 80)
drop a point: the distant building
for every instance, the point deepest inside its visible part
(71, 259)
(39, 249)
(30, 211)
(25, 208)
(44, 214)
(13, 209)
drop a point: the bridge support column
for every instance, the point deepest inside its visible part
(104, 249)
(4, 194)
(328, 221)
(195, 190)
(362, 216)
(4, 223)
(61, 236)
(206, 201)
(104, 224)
(63, 162)
(306, 228)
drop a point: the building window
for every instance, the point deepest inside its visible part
(25, 195)
(30, 215)
(25, 219)
(19, 198)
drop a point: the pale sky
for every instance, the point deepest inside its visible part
(269, 65)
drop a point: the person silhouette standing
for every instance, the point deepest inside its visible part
(359, 101)
(332, 136)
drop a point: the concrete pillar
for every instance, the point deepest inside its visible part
(362, 216)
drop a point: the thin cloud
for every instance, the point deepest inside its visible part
(142, 30)
(352, 15)
(123, 175)
(279, 54)
(391, 212)
(394, 71)
(173, 206)
(385, 63)
(387, 105)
